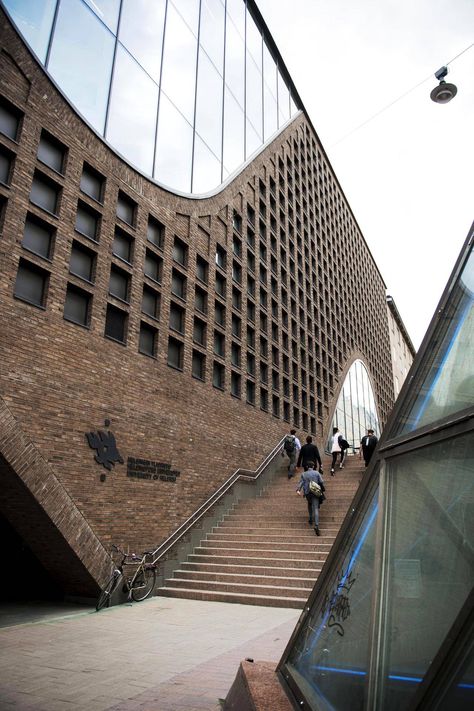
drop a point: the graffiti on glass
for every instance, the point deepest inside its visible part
(336, 603)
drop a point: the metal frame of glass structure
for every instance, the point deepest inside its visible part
(390, 621)
(186, 92)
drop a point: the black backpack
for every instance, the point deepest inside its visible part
(289, 444)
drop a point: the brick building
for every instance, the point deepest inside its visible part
(196, 327)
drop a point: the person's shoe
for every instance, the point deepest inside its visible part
(317, 532)
(332, 472)
(341, 466)
(310, 521)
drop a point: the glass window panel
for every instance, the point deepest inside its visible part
(119, 282)
(131, 122)
(270, 114)
(270, 72)
(82, 262)
(152, 266)
(34, 20)
(329, 658)
(236, 12)
(107, 11)
(211, 31)
(233, 155)
(122, 245)
(235, 60)
(252, 140)
(173, 148)
(293, 107)
(9, 119)
(179, 64)
(5, 166)
(141, 31)
(76, 306)
(37, 237)
(283, 101)
(155, 232)
(254, 41)
(92, 183)
(87, 222)
(44, 193)
(147, 341)
(209, 104)
(254, 96)
(31, 283)
(447, 383)
(115, 323)
(151, 302)
(81, 60)
(51, 152)
(206, 169)
(126, 208)
(189, 11)
(429, 567)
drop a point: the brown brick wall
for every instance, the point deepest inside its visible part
(61, 380)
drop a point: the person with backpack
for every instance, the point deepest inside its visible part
(339, 446)
(291, 446)
(313, 489)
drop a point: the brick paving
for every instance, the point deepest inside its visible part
(160, 655)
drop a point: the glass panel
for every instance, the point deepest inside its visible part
(81, 60)
(209, 105)
(252, 140)
(189, 11)
(179, 65)
(429, 566)
(207, 169)
(107, 11)
(211, 31)
(254, 41)
(460, 696)
(147, 343)
(235, 57)
(51, 152)
(115, 323)
(131, 123)
(233, 155)
(76, 307)
(270, 125)
(37, 237)
(30, 284)
(447, 383)
(44, 193)
(5, 166)
(254, 96)
(173, 167)
(283, 101)
(9, 120)
(141, 31)
(81, 262)
(329, 658)
(92, 183)
(34, 21)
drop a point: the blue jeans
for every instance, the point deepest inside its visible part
(313, 508)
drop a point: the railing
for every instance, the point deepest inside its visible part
(213, 500)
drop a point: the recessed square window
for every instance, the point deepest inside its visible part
(6, 164)
(236, 326)
(275, 406)
(77, 305)
(87, 221)
(122, 245)
(177, 315)
(82, 262)
(180, 251)
(126, 209)
(92, 183)
(220, 285)
(236, 272)
(199, 365)
(153, 266)
(219, 313)
(218, 375)
(38, 236)
(116, 323)
(119, 283)
(45, 193)
(147, 340)
(199, 332)
(250, 337)
(250, 392)
(151, 302)
(178, 284)
(31, 283)
(250, 311)
(10, 119)
(236, 298)
(200, 300)
(250, 363)
(235, 355)
(263, 399)
(220, 257)
(219, 343)
(175, 353)
(52, 152)
(235, 384)
(237, 221)
(202, 269)
(155, 232)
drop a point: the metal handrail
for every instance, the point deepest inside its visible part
(238, 475)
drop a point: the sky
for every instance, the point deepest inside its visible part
(408, 172)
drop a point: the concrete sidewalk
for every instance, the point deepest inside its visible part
(163, 654)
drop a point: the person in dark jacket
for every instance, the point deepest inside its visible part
(313, 501)
(309, 453)
(367, 446)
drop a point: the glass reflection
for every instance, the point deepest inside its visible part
(107, 11)
(429, 565)
(211, 31)
(235, 62)
(252, 139)
(189, 11)
(355, 410)
(173, 167)
(254, 96)
(141, 31)
(81, 60)
(179, 64)
(283, 101)
(209, 114)
(448, 382)
(132, 116)
(234, 121)
(34, 21)
(329, 658)
(206, 168)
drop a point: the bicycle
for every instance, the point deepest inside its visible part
(139, 586)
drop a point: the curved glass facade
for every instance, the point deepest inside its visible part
(356, 411)
(185, 90)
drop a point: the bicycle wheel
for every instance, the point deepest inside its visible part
(106, 594)
(143, 584)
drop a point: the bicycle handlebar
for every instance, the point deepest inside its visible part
(133, 556)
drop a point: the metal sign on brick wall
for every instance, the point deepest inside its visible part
(107, 454)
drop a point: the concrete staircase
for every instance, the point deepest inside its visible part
(264, 552)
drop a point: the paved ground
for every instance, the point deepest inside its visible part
(163, 654)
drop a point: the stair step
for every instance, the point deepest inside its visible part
(242, 569)
(251, 579)
(240, 598)
(306, 562)
(264, 552)
(246, 588)
(265, 545)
